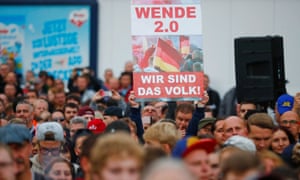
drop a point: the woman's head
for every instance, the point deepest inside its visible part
(281, 138)
(59, 168)
(116, 155)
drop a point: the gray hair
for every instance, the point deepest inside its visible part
(78, 120)
(26, 103)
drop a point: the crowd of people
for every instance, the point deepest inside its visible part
(94, 129)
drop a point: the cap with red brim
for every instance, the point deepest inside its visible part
(189, 144)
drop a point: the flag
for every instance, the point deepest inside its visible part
(145, 61)
(167, 58)
(184, 45)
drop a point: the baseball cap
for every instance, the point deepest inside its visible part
(85, 110)
(114, 111)
(241, 142)
(188, 144)
(50, 131)
(96, 126)
(15, 133)
(205, 121)
(285, 103)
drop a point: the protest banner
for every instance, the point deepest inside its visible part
(166, 43)
(55, 37)
(168, 86)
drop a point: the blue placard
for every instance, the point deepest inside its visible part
(52, 37)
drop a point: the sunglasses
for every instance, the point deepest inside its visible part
(53, 151)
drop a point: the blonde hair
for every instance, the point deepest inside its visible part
(164, 132)
(267, 154)
(117, 145)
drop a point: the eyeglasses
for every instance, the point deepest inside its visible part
(289, 122)
(58, 119)
(53, 151)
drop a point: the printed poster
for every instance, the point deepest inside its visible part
(52, 38)
(167, 49)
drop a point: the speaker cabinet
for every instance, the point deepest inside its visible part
(259, 68)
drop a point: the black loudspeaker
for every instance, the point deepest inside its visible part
(259, 68)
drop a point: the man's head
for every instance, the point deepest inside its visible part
(39, 106)
(116, 151)
(24, 110)
(125, 79)
(82, 82)
(204, 126)
(183, 115)
(96, 126)
(217, 130)
(194, 153)
(284, 103)
(244, 107)
(86, 112)
(150, 111)
(163, 135)
(50, 137)
(77, 123)
(114, 83)
(290, 120)
(78, 138)
(59, 84)
(240, 142)
(261, 128)
(70, 111)
(32, 95)
(11, 77)
(59, 98)
(112, 113)
(7, 166)
(18, 138)
(73, 98)
(234, 125)
(108, 73)
(241, 165)
(58, 116)
(10, 90)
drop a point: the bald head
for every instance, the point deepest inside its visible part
(234, 125)
(289, 114)
(290, 120)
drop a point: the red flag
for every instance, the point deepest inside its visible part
(145, 61)
(184, 45)
(167, 58)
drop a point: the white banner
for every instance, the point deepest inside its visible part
(166, 19)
